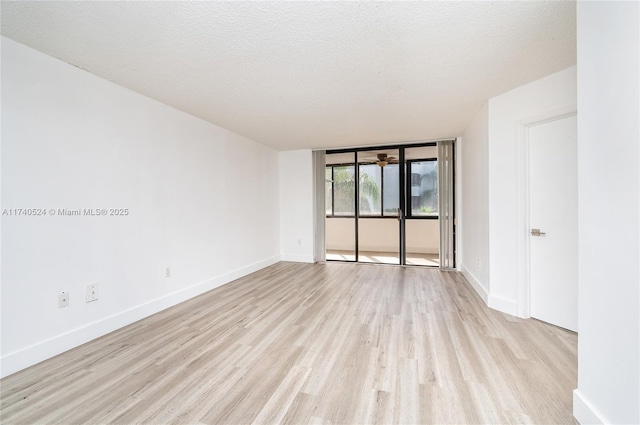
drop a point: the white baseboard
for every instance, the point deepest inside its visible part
(475, 284)
(28, 356)
(297, 258)
(503, 304)
(584, 412)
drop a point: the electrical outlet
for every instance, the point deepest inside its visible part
(92, 292)
(63, 299)
(167, 271)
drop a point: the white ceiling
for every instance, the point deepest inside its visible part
(310, 74)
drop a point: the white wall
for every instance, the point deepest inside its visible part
(507, 116)
(493, 221)
(201, 200)
(382, 235)
(340, 233)
(423, 236)
(474, 173)
(609, 213)
(296, 205)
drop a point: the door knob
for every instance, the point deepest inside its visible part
(537, 232)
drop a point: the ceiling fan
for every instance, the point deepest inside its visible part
(383, 159)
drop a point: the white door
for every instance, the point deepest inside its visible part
(553, 202)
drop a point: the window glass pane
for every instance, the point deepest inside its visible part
(344, 190)
(328, 202)
(390, 195)
(424, 188)
(370, 183)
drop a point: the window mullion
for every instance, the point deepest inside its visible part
(333, 193)
(381, 191)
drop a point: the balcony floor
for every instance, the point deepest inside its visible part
(413, 259)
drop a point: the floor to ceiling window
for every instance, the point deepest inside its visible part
(382, 205)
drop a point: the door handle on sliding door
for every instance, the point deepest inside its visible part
(399, 214)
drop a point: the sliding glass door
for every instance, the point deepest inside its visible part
(340, 202)
(379, 189)
(384, 205)
(422, 229)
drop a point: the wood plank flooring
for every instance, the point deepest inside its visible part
(297, 343)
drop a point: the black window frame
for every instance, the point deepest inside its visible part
(357, 172)
(409, 212)
(333, 197)
(403, 174)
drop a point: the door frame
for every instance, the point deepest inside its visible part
(523, 182)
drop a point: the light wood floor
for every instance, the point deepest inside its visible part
(301, 343)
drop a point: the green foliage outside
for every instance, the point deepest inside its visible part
(344, 191)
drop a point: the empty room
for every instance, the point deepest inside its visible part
(320, 212)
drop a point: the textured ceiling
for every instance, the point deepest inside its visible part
(309, 74)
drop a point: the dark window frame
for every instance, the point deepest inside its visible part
(333, 196)
(409, 213)
(360, 215)
(402, 195)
